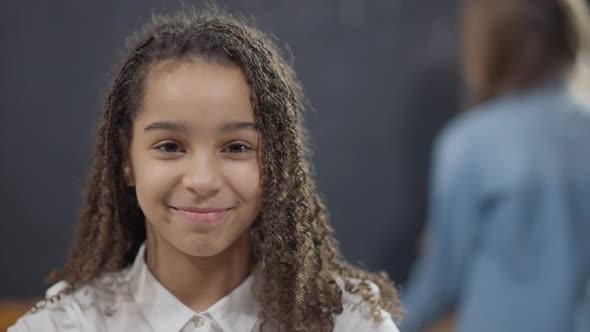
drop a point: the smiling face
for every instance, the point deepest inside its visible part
(194, 156)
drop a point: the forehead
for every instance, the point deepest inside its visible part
(196, 89)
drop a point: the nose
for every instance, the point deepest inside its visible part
(202, 176)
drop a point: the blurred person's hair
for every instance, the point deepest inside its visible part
(579, 15)
(512, 45)
(578, 80)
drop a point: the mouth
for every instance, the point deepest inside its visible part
(201, 215)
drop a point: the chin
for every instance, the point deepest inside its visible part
(202, 248)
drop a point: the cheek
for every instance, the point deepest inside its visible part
(153, 180)
(244, 178)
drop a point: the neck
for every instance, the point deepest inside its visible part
(198, 282)
(579, 80)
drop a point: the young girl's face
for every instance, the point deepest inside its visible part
(194, 156)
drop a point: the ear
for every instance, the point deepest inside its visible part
(127, 167)
(128, 175)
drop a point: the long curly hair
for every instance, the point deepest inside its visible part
(292, 239)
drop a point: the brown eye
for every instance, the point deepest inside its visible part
(169, 147)
(237, 148)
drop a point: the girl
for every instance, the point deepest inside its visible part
(201, 213)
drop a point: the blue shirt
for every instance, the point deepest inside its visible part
(508, 235)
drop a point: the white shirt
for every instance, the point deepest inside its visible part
(133, 300)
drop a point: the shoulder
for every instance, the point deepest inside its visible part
(81, 309)
(523, 115)
(507, 135)
(356, 314)
(42, 320)
(50, 314)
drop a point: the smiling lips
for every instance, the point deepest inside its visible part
(207, 216)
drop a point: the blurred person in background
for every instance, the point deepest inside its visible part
(507, 244)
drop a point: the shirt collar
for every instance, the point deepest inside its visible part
(237, 311)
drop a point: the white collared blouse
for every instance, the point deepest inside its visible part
(134, 300)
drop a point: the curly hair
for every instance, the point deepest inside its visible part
(292, 238)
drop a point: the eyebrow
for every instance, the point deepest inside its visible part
(176, 126)
(161, 125)
(235, 126)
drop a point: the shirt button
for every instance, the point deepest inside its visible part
(197, 321)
